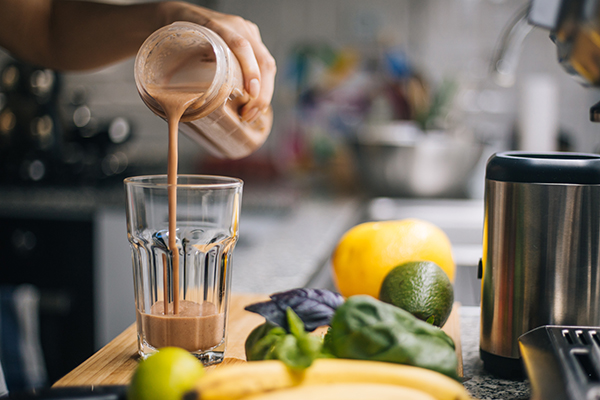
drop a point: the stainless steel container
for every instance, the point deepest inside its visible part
(541, 245)
(399, 160)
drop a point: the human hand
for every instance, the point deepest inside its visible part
(244, 40)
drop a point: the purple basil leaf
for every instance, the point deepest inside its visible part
(271, 311)
(315, 307)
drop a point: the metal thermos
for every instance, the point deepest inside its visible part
(541, 249)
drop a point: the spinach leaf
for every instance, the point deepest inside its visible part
(368, 329)
(261, 341)
(315, 307)
(297, 349)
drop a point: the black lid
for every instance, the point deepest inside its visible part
(550, 167)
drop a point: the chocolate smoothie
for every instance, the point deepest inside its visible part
(195, 327)
(185, 324)
(174, 103)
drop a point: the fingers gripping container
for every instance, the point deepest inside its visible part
(541, 250)
(187, 57)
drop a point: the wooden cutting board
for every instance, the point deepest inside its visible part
(115, 363)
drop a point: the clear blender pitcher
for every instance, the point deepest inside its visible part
(184, 57)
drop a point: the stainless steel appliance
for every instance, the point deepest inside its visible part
(541, 232)
(541, 250)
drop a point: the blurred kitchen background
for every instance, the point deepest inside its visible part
(384, 109)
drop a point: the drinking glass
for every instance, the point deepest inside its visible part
(182, 287)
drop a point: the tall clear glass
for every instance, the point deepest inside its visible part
(196, 291)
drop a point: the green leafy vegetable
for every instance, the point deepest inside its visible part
(261, 341)
(297, 349)
(368, 329)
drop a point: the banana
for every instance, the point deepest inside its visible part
(239, 380)
(335, 370)
(342, 370)
(243, 380)
(344, 391)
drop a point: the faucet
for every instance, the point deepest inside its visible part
(574, 27)
(506, 56)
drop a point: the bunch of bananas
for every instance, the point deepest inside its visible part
(330, 379)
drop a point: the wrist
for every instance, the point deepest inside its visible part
(165, 12)
(172, 11)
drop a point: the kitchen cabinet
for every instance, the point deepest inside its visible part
(72, 247)
(55, 256)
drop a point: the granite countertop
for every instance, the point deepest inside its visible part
(479, 383)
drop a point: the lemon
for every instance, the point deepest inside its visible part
(369, 251)
(165, 375)
(422, 289)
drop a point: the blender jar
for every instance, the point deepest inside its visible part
(184, 57)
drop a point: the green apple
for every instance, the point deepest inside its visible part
(165, 375)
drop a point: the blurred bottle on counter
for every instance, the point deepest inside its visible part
(185, 57)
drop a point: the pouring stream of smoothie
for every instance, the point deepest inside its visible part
(174, 103)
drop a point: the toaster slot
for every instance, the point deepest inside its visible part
(567, 335)
(562, 362)
(582, 338)
(585, 363)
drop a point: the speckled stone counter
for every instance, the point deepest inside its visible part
(479, 383)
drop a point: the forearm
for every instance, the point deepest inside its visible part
(73, 35)
(80, 35)
(86, 35)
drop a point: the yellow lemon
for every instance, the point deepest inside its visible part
(369, 251)
(165, 375)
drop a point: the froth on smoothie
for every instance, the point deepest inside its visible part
(196, 326)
